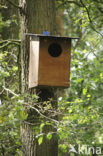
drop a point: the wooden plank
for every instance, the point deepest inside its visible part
(33, 63)
(54, 71)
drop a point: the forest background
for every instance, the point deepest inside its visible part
(80, 107)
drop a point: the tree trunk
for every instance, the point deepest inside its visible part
(59, 22)
(37, 15)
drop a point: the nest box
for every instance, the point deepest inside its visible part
(49, 62)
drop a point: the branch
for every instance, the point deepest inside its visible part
(13, 4)
(100, 9)
(7, 42)
(12, 40)
(1, 91)
(29, 123)
(10, 91)
(99, 2)
(90, 20)
(17, 6)
(43, 115)
(72, 2)
(4, 45)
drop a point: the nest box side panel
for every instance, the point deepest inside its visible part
(54, 70)
(33, 63)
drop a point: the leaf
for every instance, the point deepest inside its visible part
(101, 75)
(15, 68)
(49, 136)
(70, 110)
(40, 140)
(84, 91)
(41, 126)
(88, 95)
(79, 80)
(34, 96)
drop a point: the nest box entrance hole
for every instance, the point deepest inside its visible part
(55, 50)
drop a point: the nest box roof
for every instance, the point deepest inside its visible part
(50, 36)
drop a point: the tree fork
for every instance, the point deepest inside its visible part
(39, 15)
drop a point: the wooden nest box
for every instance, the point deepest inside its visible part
(49, 63)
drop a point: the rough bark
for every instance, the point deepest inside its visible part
(59, 22)
(37, 15)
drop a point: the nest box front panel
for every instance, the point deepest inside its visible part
(54, 62)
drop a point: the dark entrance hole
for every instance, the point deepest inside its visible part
(54, 49)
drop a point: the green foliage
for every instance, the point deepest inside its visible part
(82, 107)
(10, 117)
(49, 136)
(40, 140)
(11, 109)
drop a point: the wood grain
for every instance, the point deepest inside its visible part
(33, 63)
(54, 71)
(45, 70)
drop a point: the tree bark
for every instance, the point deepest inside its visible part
(37, 15)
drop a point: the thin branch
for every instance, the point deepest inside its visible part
(71, 2)
(13, 4)
(12, 40)
(99, 2)
(43, 115)
(8, 42)
(4, 45)
(100, 9)
(29, 123)
(10, 91)
(90, 20)
(1, 91)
